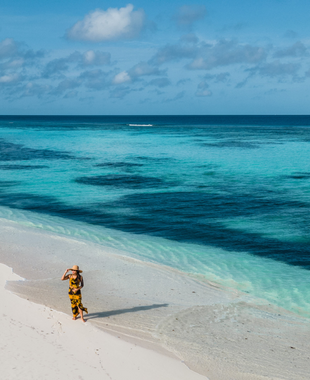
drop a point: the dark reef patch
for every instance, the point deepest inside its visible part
(4, 184)
(210, 173)
(299, 175)
(22, 167)
(232, 144)
(152, 159)
(118, 165)
(194, 215)
(125, 181)
(18, 152)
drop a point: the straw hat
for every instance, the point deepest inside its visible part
(76, 267)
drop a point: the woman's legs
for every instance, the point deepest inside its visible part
(77, 308)
(81, 314)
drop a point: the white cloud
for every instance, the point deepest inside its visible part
(202, 89)
(178, 96)
(34, 89)
(12, 64)
(8, 48)
(58, 66)
(144, 69)
(197, 64)
(120, 92)
(96, 79)
(89, 56)
(122, 77)
(207, 56)
(174, 53)
(160, 82)
(203, 93)
(276, 69)
(13, 52)
(10, 78)
(67, 84)
(112, 24)
(188, 14)
(296, 50)
(93, 58)
(71, 94)
(226, 52)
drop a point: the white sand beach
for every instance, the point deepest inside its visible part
(145, 321)
(40, 343)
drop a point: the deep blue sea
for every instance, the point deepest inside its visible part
(223, 197)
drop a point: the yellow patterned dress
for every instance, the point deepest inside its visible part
(76, 298)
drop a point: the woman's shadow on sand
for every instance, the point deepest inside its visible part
(105, 314)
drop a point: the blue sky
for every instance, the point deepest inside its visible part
(209, 57)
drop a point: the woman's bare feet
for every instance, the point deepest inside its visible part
(74, 318)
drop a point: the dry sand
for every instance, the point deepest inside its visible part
(40, 343)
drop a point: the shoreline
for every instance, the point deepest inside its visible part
(217, 333)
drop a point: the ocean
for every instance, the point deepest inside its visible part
(223, 198)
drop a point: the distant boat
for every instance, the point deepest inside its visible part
(140, 125)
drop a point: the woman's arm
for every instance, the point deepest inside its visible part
(65, 276)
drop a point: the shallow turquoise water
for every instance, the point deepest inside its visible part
(226, 200)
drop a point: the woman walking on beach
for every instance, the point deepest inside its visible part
(76, 283)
